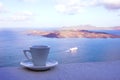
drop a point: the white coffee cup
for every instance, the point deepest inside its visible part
(39, 54)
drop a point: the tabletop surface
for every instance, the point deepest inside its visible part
(74, 71)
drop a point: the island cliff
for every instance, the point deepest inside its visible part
(72, 34)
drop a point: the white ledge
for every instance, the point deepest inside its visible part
(73, 71)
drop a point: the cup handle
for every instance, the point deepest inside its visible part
(25, 53)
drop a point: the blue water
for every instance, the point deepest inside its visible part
(13, 42)
(116, 32)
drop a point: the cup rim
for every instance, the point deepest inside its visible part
(40, 46)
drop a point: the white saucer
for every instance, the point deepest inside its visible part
(28, 64)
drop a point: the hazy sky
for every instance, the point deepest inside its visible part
(58, 13)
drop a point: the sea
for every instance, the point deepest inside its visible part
(14, 41)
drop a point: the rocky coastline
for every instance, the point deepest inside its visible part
(72, 34)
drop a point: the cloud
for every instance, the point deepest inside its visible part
(77, 6)
(111, 4)
(1, 5)
(18, 17)
(68, 9)
(22, 16)
(74, 6)
(31, 1)
(2, 8)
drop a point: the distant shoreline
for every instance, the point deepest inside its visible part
(72, 34)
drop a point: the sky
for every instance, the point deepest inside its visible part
(59, 13)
